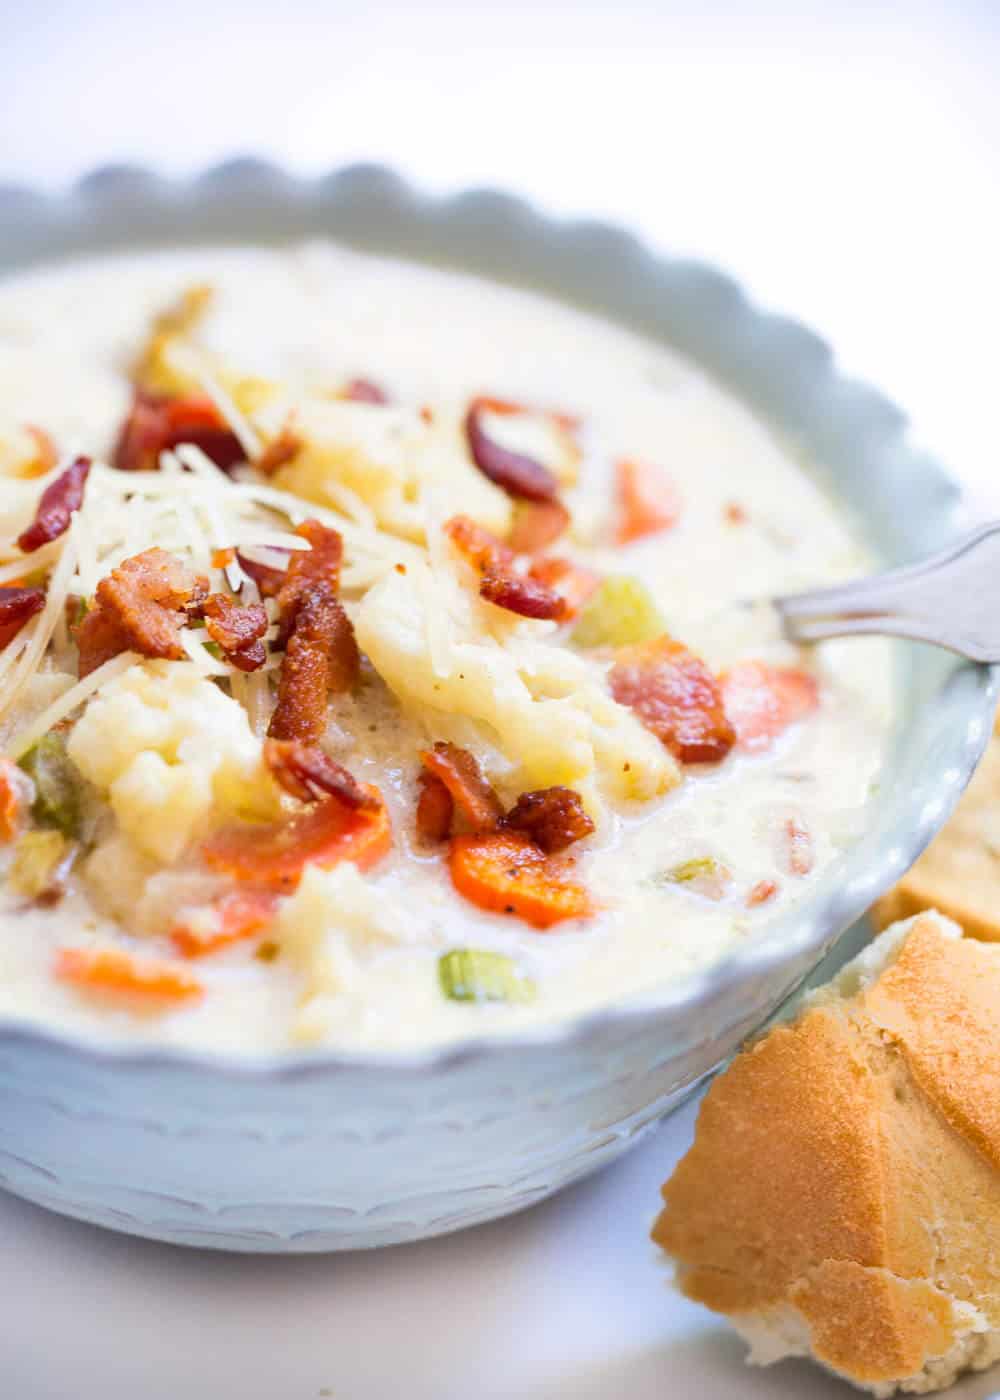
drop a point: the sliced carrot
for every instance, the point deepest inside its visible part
(114, 972)
(10, 802)
(648, 501)
(274, 856)
(762, 701)
(504, 872)
(237, 915)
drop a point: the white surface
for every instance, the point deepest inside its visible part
(839, 157)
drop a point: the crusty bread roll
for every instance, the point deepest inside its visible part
(842, 1196)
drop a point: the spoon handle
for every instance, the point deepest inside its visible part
(951, 599)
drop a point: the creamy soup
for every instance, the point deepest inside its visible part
(383, 659)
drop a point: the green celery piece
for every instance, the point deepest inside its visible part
(472, 974)
(58, 786)
(690, 870)
(621, 612)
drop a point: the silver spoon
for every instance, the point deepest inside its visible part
(951, 599)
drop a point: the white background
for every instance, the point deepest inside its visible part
(842, 159)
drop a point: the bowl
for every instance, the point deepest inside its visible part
(325, 1151)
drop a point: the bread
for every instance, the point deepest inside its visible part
(842, 1196)
(959, 873)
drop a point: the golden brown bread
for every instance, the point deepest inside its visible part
(959, 873)
(842, 1195)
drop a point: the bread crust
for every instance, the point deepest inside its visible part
(847, 1166)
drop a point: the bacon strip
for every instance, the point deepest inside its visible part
(56, 506)
(500, 583)
(553, 817)
(573, 583)
(676, 697)
(461, 774)
(321, 657)
(238, 628)
(311, 775)
(514, 472)
(140, 607)
(435, 809)
(17, 607)
(519, 594)
(320, 564)
(157, 423)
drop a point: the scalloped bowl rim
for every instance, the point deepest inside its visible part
(804, 929)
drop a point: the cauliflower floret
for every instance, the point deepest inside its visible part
(166, 746)
(387, 456)
(427, 638)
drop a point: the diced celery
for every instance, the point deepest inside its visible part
(58, 785)
(473, 974)
(36, 867)
(690, 870)
(619, 613)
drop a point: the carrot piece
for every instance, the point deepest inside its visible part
(762, 701)
(114, 972)
(237, 915)
(648, 501)
(504, 872)
(274, 856)
(10, 804)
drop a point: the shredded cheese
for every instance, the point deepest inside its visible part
(69, 701)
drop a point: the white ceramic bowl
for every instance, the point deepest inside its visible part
(328, 1151)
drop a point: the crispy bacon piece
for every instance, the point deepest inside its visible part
(514, 472)
(56, 506)
(517, 593)
(17, 607)
(500, 583)
(238, 628)
(310, 774)
(269, 580)
(363, 391)
(537, 524)
(762, 701)
(648, 501)
(157, 423)
(676, 697)
(234, 916)
(274, 856)
(477, 545)
(796, 847)
(573, 583)
(462, 776)
(113, 972)
(140, 607)
(321, 657)
(504, 872)
(762, 893)
(285, 447)
(320, 564)
(435, 809)
(553, 817)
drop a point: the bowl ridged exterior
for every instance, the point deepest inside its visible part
(330, 1151)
